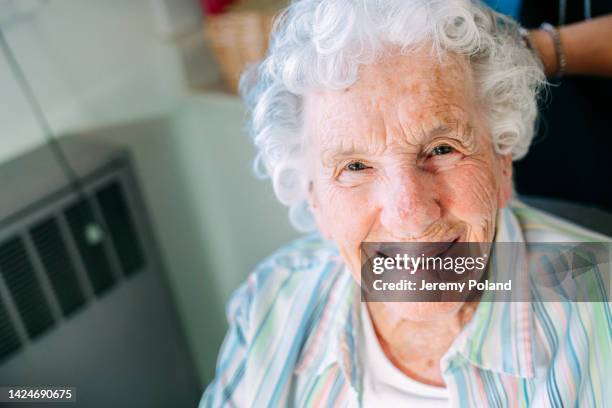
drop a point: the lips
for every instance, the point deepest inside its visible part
(414, 249)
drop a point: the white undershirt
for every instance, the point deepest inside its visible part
(384, 385)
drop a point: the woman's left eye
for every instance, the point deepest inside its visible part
(442, 149)
(356, 166)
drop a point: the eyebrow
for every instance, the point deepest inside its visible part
(456, 126)
(441, 129)
(344, 149)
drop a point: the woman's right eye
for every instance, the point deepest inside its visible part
(442, 150)
(356, 166)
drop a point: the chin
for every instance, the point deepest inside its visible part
(422, 311)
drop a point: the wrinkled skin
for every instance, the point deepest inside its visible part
(404, 155)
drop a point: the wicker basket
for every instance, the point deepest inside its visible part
(239, 37)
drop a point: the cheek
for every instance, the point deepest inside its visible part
(347, 213)
(469, 192)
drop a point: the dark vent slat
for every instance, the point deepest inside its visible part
(54, 256)
(9, 342)
(79, 216)
(24, 288)
(121, 227)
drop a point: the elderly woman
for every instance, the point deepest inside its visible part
(397, 121)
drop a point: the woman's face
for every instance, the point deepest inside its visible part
(404, 155)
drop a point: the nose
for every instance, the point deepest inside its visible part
(409, 203)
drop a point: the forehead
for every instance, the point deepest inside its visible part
(397, 96)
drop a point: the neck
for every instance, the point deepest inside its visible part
(416, 347)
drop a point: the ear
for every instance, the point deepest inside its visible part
(505, 182)
(315, 208)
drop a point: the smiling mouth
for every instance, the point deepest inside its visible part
(415, 249)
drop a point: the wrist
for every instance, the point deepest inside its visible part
(555, 37)
(545, 49)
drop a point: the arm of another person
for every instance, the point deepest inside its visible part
(587, 46)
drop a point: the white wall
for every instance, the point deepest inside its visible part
(89, 62)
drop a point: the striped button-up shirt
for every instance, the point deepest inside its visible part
(294, 329)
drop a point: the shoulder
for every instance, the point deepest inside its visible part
(571, 334)
(540, 226)
(303, 260)
(292, 280)
(271, 317)
(574, 344)
(303, 254)
(287, 304)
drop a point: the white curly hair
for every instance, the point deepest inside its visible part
(320, 44)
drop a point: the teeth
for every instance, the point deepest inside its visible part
(433, 249)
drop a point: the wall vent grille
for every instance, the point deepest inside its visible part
(51, 248)
(97, 237)
(26, 293)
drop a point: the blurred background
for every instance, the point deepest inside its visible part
(75, 308)
(128, 208)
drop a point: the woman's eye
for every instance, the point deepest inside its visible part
(356, 166)
(442, 149)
